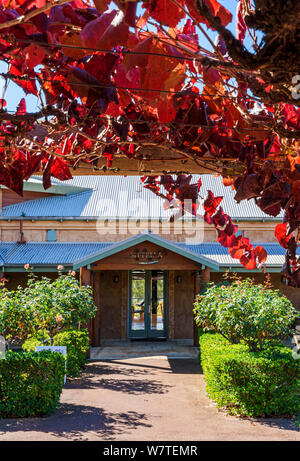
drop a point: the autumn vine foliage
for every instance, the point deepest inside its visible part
(144, 85)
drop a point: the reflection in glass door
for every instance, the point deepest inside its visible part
(147, 304)
(138, 291)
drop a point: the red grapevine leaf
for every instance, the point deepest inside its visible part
(220, 218)
(211, 203)
(29, 86)
(105, 30)
(281, 235)
(47, 174)
(230, 228)
(60, 170)
(25, 4)
(21, 109)
(101, 5)
(249, 261)
(240, 24)
(247, 187)
(241, 246)
(226, 240)
(34, 56)
(215, 8)
(165, 11)
(101, 66)
(260, 254)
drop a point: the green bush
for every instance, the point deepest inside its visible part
(30, 383)
(37, 340)
(44, 304)
(245, 311)
(77, 342)
(264, 383)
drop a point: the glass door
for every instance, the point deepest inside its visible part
(147, 310)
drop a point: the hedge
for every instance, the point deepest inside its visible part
(30, 383)
(77, 343)
(264, 383)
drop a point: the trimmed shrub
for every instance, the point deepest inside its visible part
(264, 383)
(77, 342)
(245, 311)
(30, 383)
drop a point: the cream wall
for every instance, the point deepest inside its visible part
(91, 231)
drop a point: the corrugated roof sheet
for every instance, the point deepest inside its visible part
(54, 253)
(118, 196)
(46, 253)
(217, 252)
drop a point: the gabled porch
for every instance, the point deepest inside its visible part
(144, 287)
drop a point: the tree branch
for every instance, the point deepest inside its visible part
(32, 14)
(234, 47)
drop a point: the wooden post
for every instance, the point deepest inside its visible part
(90, 278)
(124, 301)
(96, 321)
(171, 306)
(85, 276)
(84, 280)
(205, 276)
(197, 289)
(201, 280)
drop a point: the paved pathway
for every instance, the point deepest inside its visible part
(142, 399)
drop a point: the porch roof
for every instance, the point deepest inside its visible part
(73, 255)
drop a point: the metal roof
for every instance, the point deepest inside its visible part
(46, 253)
(72, 254)
(216, 252)
(123, 197)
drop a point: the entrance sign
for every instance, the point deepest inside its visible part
(144, 256)
(61, 349)
(2, 347)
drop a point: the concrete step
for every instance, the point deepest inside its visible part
(150, 350)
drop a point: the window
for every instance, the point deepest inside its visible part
(51, 235)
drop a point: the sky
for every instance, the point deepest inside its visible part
(14, 93)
